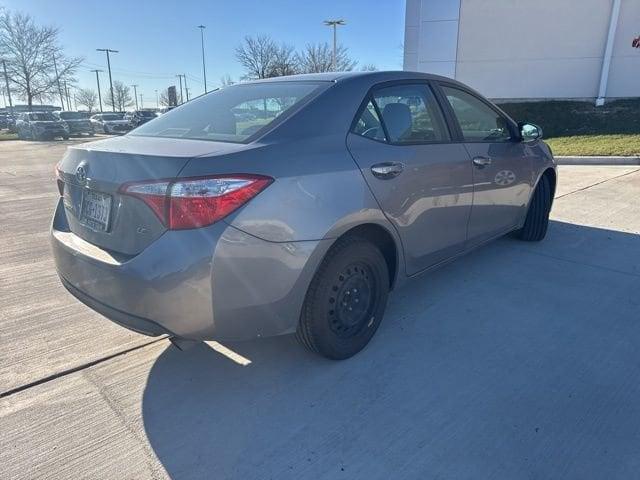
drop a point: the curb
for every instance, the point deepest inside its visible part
(597, 160)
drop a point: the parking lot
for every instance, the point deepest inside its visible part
(517, 361)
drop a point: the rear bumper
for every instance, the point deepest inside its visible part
(75, 130)
(132, 322)
(211, 283)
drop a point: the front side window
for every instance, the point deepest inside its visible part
(478, 121)
(231, 114)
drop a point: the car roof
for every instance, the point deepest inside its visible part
(375, 77)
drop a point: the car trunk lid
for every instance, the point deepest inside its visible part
(92, 174)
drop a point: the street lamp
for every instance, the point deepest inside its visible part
(98, 82)
(135, 94)
(334, 24)
(204, 69)
(107, 50)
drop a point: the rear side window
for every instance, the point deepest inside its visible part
(409, 114)
(231, 114)
(368, 124)
(478, 121)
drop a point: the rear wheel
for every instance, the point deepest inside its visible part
(537, 221)
(345, 301)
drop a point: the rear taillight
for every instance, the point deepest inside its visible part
(196, 202)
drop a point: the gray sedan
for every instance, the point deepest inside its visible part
(293, 205)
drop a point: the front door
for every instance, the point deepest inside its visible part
(421, 180)
(501, 169)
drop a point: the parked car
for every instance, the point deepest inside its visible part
(140, 117)
(110, 123)
(40, 126)
(4, 121)
(352, 184)
(11, 123)
(77, 122)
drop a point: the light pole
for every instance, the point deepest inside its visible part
(98, 82)
(6, 80)
(204, 68)
(141, 102)
(107, 50)
(135, 94)
(157, 100)
(180, 78)
(334, 24)
(186, 89)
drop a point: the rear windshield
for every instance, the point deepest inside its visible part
(231, 114)
(71, 115)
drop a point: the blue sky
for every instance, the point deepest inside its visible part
(159, 39)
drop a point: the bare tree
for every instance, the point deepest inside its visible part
(257, 55)
(121, 96)
(285, 61)
(36, 64)
(164, 98)
(318, 58)
(87, 98)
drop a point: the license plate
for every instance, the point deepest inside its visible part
(96, 208)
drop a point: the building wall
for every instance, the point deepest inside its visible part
(525, 49)
(624, 74)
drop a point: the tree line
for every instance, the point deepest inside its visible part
(263, 57)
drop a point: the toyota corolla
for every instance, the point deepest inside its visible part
(293, 205)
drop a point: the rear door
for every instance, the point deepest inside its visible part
(501, 168)
(422, 181)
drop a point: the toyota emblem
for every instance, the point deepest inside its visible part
(81, 173)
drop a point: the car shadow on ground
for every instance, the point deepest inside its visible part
(515, 361)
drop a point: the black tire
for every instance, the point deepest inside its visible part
(333, 322)
(537, 221)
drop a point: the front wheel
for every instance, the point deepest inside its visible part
(346, 300)
(537, 221)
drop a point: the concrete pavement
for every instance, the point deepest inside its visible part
(518, 361)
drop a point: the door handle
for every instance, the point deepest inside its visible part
(387, 170)
(481, 161)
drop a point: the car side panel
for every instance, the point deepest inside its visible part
(429, 203)
(501, 189)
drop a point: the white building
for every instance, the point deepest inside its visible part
(528, 49)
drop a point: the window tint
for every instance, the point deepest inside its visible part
(479, 122)
(368, 124)
(410, 114)
(231, 114)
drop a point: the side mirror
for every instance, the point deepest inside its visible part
(529, 132)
